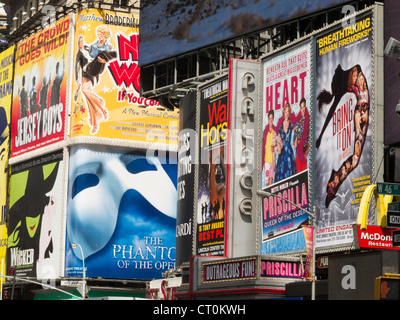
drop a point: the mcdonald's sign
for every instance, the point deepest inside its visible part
(377, 236)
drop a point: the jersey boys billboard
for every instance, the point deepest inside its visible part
(39, 95)
(106, 82)
(286, 139)
(343, 128)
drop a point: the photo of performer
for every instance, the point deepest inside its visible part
(92, 60)
(33, 96)
(356, 84)
(286, 164)
(217, 183)
(23, 99)
(338, 89)
(301, 141)
(272, 143)
(56, 86)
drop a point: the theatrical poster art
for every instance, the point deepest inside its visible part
(286, 114)
(40, 89)
(212, 202)
(36, 224)
(343, 127)
(6, 85)
(286, 139)
(106, 81)
(122, 212)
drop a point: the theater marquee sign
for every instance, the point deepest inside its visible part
(248, 268)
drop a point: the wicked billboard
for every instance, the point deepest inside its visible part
(36, 225)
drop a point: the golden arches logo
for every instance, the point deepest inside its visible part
(381, 201)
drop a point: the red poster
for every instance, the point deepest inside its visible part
(39, 96)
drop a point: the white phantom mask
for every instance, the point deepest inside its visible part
(93, 210)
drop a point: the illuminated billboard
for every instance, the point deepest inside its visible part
(36, 227)
(183, 26)
(6, 76)
(40, 89)
(121, 212)
(343, 127)
(106, 80)
(213, 181)
(286, 139)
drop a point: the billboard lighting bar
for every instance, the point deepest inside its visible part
(263, 194)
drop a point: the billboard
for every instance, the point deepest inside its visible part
(183, 26)
(36, 226)
(286, 139)
(121, 212)
(106, 82)
(6, 84)
(212, 188)
(343, 127)
(40, 89)
(186, 179)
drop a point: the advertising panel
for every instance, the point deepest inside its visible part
(343, 127)
(281, 268)
(186, 170)
(121, 213)
(40, 86)
(213, 167)
(36, 226)
(229, 270)
(374, 237)
(106, 82)
(6, 76)
(183, 26)
(286, 140)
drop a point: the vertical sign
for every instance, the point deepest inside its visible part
(39, 95)
(6, 85)
(186, 169)
(286, 139)
(213, 173)
(343, 128)
(36, 222)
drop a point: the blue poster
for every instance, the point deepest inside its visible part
(121, 217)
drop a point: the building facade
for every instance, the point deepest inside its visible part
(214, 147)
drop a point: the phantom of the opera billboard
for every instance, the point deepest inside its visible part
(343, 127)
(121, 210)
(40, 89)
(286, 140)
(36, 227)
(6, 85)
(212, 181)
(106, 81)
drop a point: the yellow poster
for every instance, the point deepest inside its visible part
(6, 85)
(105, 88)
